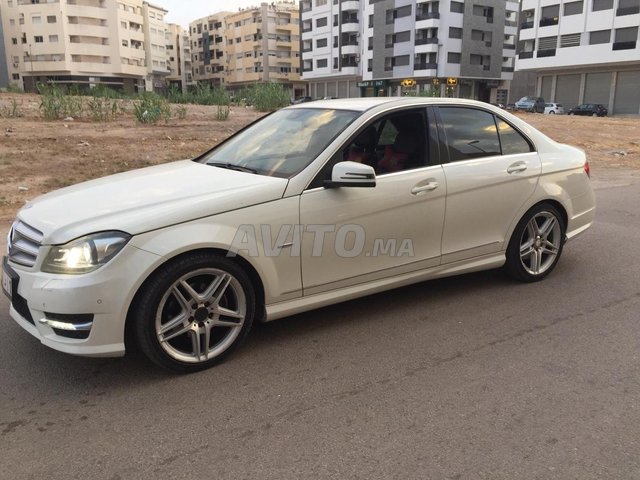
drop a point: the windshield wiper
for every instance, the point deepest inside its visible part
(231, 166)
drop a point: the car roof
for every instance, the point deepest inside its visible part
(367, 103)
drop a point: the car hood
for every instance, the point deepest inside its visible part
(147, 199)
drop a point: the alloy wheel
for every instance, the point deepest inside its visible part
(540, 243)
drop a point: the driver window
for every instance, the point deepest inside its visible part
(391, 144)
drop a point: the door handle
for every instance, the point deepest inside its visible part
(517, 167)
(425, 188)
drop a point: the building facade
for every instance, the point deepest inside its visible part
(396, 47)
(179, 57)
(259, 44)
(119, 44)
(583, 51)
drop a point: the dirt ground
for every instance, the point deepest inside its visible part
(37, 156)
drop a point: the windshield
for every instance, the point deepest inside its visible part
(282, 144)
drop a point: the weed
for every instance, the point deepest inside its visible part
(266, 97)
(222, 112)
(151, 108)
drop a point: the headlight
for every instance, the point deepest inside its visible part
(85, 254)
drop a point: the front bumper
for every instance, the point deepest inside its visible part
(80, 314)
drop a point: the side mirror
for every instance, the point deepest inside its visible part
(351, 174)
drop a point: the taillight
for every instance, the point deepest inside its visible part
(587, 169)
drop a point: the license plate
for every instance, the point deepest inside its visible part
(6, 284)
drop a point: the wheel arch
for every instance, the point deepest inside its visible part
(548, 201)
(250, 270)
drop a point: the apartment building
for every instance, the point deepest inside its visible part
(583, 51)
(208, 49)
(356, 48)
(120, 44)
(259, 44)
(178, 47)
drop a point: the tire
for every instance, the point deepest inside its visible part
(194, 312)
(552, 112)
(536, 244)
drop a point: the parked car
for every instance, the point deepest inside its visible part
(499, 105)
(531, 104)
(553, 109)
(302, 100)
(591, 109)
(315, 204)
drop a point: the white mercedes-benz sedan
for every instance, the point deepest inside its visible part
(312, 205)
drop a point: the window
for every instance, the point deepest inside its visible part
(51, 19)
(322, 63)
(392, 144)
(457, 7)
(549, 15)
(570, 40)
(321, 42)
(602, 5)
(470, 133)
(15, 76)
(453, 57)
(601, 36)
(320, 3)
(36, 19)
(573, 8)
(511, 141)
(123, 25)
(14, 41)
(53, 38)
(38, 39)
(125, 43)
(321, 22)
(455, 32)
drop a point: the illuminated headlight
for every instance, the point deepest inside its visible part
(85, 254)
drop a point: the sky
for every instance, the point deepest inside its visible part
(184, 11)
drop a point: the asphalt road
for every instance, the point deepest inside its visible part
(474, 377)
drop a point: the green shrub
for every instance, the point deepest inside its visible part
(12, 111)
(13, 88)
(101, 109)
(267, 97)
(151, 108)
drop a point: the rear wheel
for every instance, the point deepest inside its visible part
(194, 312)
(536, 244)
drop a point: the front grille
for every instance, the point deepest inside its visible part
(24, 243)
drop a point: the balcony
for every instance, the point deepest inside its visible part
(525, 55)
(427, 16)
(620, 12)
(551, 52)
(548, 21)
(509, 46)
(624, 46)
(426, 41)
(425, 66)
(525, 25)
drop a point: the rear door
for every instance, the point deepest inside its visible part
(491, 171)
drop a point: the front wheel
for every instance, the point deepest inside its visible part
(194, 312)
(552, 112)
(536, 244)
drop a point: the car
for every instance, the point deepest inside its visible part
(553, 109)
(531, 104)
(312, 205)
(302, 100)
(591, 109)
(499, 105)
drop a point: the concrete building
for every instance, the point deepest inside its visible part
(394, 47)
(208, 49)
(259, 44)
(583, 51)
(179, 57)
(119, 44)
